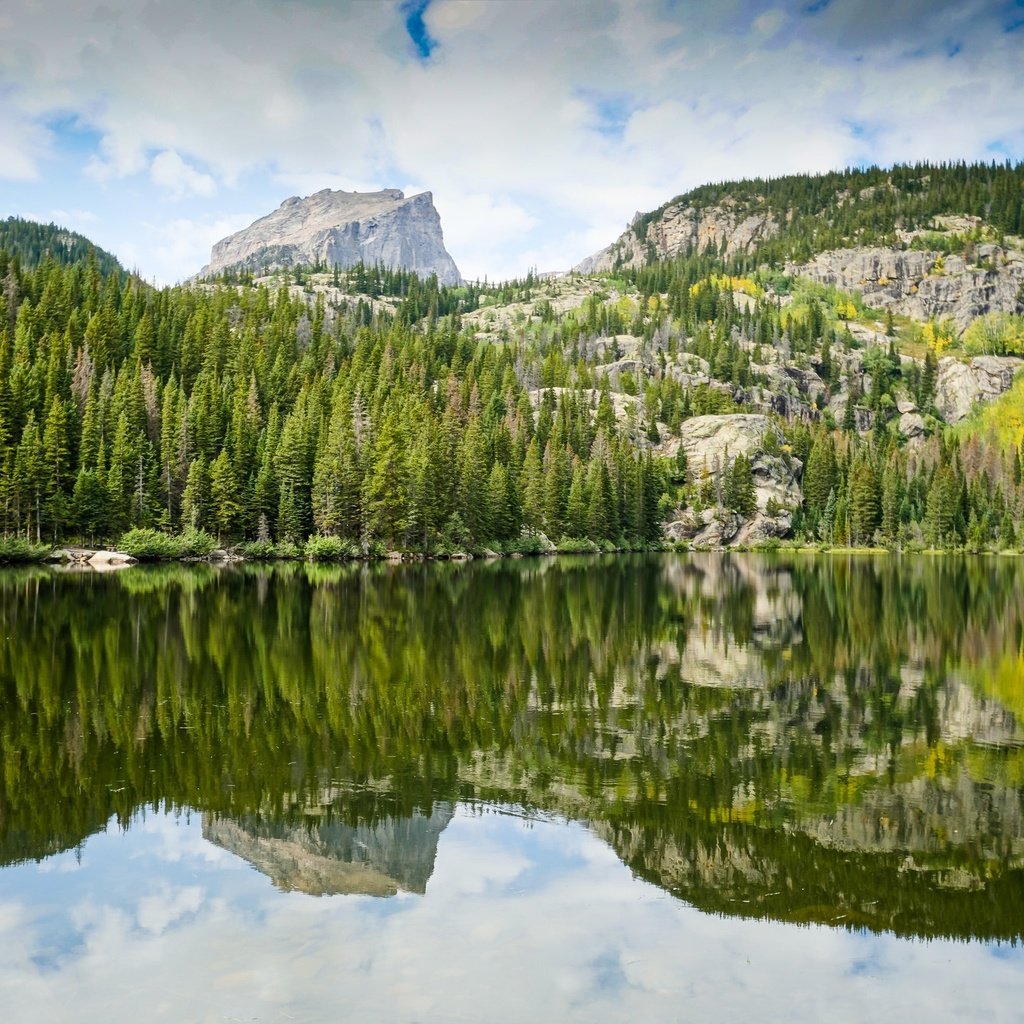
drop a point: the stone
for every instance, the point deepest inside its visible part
(959, 386)
(912, 426)
(761, 527)
(343, 228)
(714, 442)
(105, 559)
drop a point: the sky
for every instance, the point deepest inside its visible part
(540, 126)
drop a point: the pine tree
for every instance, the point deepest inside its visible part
(195, 502)
(863, 501)
(57, 462)
(740, 495)
(576, 504)
(502, 520)
(386, 482)
(224, 503)
(533, 489)
(819, 476)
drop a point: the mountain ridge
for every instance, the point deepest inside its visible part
(337, 228)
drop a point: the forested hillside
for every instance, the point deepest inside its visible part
(718, 397)
(812, 212)
(31, 242)
(256, 413)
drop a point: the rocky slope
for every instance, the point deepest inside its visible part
(343, 229)
(926, 242)
(678, 228)
(925, 285)
(711, 444)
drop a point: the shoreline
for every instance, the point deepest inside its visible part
(107, 559)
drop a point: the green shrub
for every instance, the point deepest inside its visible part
(530, 544)
(577, 545)
(323, 548)
(257, 550)
(150, 545)
(17, 549)
(287, 549)
(196, 543)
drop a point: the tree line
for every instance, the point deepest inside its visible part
(255, 413)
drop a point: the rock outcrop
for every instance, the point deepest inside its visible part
(924, 285)
(677, 228)
(712, 444)
(343, 229)
(960, 385)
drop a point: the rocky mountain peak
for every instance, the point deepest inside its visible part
(338, 228)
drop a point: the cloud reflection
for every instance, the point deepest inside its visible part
(521, 921)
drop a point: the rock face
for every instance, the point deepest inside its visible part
(343, 229)
(959, 385)
(678, 228)
(713, 442)
(923, 285)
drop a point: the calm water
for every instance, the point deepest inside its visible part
(668, 788)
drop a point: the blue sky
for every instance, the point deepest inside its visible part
(540, 126)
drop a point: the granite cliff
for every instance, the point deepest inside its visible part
(343, 229)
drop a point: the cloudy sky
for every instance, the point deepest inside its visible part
(540, 126)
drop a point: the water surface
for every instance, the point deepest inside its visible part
(681, 787)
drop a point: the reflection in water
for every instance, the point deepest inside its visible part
(803, 739)
(331, 858)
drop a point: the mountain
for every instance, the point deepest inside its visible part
(928, 242)
(343, 229)
(798, 216)
(797, 358)
(31, 241)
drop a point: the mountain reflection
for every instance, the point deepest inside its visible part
(807, 739)
(331, 857)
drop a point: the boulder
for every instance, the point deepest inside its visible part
(107, 559)
(911, 426)
(761, 527)
(714, 442)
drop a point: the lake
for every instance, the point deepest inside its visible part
(670, 787)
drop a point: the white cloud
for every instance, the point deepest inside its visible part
(522, 921)
(178, 178)
(158, 911)
(22, 145)
(176, 249)
(534, 126)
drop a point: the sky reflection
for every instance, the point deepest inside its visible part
(522, 921)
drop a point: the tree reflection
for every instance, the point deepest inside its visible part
(803, 738)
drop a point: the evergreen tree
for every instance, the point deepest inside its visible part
(863, 501)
